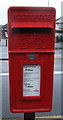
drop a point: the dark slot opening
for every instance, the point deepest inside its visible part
(31, 30)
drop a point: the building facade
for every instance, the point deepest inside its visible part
(59, 26)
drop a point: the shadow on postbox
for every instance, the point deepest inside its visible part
(31, 33)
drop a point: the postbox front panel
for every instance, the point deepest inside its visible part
(31, 58)
(29, 93)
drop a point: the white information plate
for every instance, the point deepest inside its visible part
(31, 80)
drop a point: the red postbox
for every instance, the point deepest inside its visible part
(31, 33)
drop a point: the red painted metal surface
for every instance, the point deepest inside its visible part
(31, 30)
